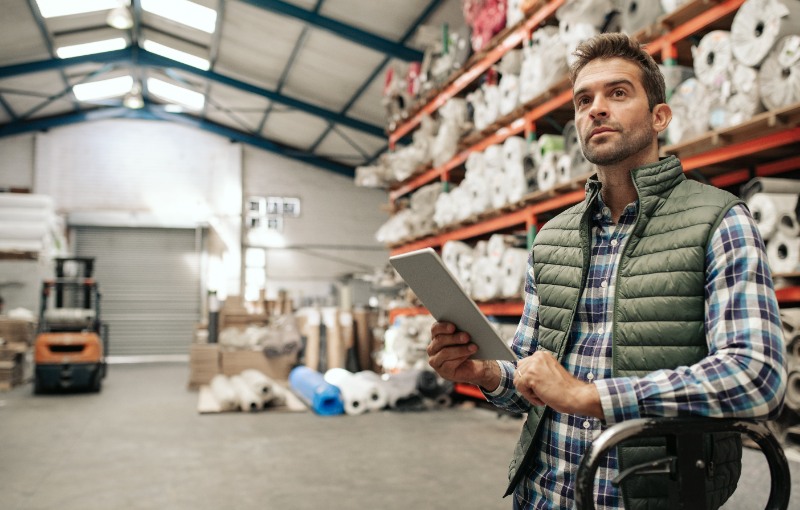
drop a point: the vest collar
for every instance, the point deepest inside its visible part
(655, 180)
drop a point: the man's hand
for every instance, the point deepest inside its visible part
(448, 355)
(542, 380)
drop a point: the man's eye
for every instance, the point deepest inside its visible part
(619, 93)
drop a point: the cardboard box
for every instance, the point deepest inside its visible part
(16, 330)
(278, 368)
(204, 364)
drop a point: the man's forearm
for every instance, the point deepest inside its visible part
(490, 379)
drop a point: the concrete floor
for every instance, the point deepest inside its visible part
(140, 444)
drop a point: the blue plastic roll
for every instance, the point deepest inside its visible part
(323, 398)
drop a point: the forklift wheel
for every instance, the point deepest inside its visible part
(38, 388)
(97, 382)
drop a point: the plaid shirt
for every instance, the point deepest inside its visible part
(743, 375)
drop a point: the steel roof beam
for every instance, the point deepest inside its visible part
(343, 30)
(139, 56)
(149, 113)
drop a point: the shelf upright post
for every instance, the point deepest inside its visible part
(530, 228)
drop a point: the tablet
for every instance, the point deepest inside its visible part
(437, 288)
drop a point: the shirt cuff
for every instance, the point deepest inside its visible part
(618, 399)
(506, 388)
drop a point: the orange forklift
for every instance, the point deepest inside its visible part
(72, 341)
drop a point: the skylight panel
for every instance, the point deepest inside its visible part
(189, 99)
(183, 12)
(104, 89)
(56, 8)
(177, 55)
(76, 50)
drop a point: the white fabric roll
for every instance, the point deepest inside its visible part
(531, 169)
(444, 211)
(493, 157)
(592, 12)
(514, 13)
(547, 178)
(514, 150)
(788, 224)
(783, 253)
(223, 392)
(354, 391)
(767, 209)
(739, 101)
(23, 230)
(564, 168)
(509, 93)
(792, 398)
(452, 252)
(486, 280)
(246, 398)
(573, 34)
(579, 165)
(475, 164)
(491, 96)
(401, 385)
(672, 5)
(544, 62)
(570, 135)
(25, 201)
(480, 194)
(516, 183)
(690, 105)
(499, 190)
(497, 246)
(261, 385)
(713, 58)
(513, 269)
(759, 25)
(638, 14)
(779, 76)
(25, 214)
(378, 397)
(462, 202)
(446, 143)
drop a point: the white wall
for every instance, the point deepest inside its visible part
(16, 161)
(336, 216)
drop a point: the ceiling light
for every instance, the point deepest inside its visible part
(120, 18)
(189, 99)
(177, 55)
(76, 50)
(55, 8)
(134, 99)
(183, 12)
(104, 89)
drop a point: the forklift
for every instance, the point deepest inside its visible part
(71, 341)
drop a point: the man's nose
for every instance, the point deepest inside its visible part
(599, 108)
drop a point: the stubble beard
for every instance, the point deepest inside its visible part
(639, 140)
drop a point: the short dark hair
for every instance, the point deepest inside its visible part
(617, 45)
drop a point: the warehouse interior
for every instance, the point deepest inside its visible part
(199, 200)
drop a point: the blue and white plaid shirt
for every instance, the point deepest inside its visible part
(743, 375)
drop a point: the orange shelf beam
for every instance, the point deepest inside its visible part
(511, 41)
(788, 295)
(767, 169)
(469, 390)
(693, 25)
(397, 312)
(741, 149)
(499, 308)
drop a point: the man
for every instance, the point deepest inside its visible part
(652, 297)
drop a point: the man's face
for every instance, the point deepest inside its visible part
(611, 112)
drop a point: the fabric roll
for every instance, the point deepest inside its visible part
(779, 76)
(477, 104)
(544, 62)
(443, 211)
(246, 398)
(790, 319)
(713, 58)
(25, 201)
(462, 202)
(480, 194)
(547, 177)
(513, 269)
(573, 34)
(378, 397)
(400, 387)
(453, 252)
(475, 164)
(516, 182)
(759, 25)
(592, 12)
(261, 385)
(514, 150)
(638, 14)
(497, 246)
(486, 280)
(514, 13)
(355, 395)
(788, 224)
(531, 170)
(493, 157)
(25, 214)
(767, 209)
(579, 165)
(499, 190)
(570, 135)
(564, 169)
(224, 392)
(783, 254)
(492, 98)
(690, 106)
(672, 5)
(739, 101)
(550, 143)
(27, 230)
(792, 398)
(323, 398)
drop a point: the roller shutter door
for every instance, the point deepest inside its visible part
(150, 285)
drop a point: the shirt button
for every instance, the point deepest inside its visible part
(606, 211)
(586, 424)
(590, 376)
(601, 330)
(614, 242)
(604, 284)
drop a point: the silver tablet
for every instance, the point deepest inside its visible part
(437, 288)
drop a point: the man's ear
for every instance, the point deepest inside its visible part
(662, 115)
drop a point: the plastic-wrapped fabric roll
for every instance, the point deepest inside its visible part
(767, 209)
(477, 102)
(573, 34)
(544, 62)
(690, 105)
(547, 177)
(759, 25)
(25, 201)
(580, 166)
(378, 397)
(354, 392)
(713, 58)
(480, 194)
(443, 212)
(549, 143)
(485, 280)
(672, 5)
(509, 93)
(570, 135)
(475, 164)
(497, 246)
(462, 202)
(592, 12)
(246, 398)
(516, 183)
(792, 398)
(24, 214)
(499, 190)
(491, 96)
(564, 168)
(788, 224)
(638, 14)
(323, 398)
(261, 385)
(513, 268)
(493, 157)
(401, 386)
(224, 392)
(514, 150)
(514, 13)
(783, 254)
(452, 252)
(779, 76)
(530, 167)
(28, 230)
(742, 103)
(446, 143)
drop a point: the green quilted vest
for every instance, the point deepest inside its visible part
(658, 313)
